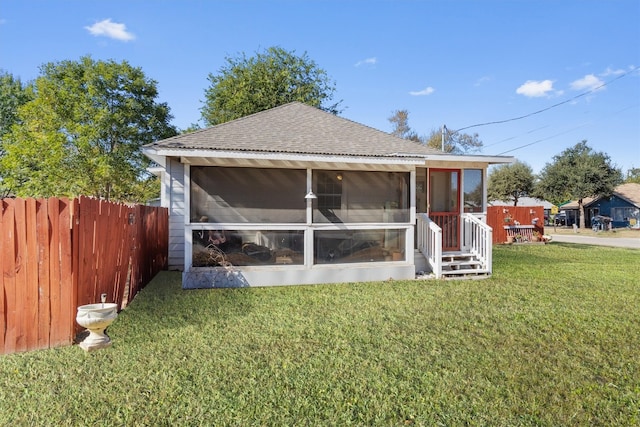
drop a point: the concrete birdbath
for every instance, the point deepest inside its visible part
(96, 318)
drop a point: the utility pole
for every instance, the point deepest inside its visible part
(444, 128)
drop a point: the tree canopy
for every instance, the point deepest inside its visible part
(247, 85)
(510, 182)
(454, 142)
(577, 173)
(13, 94)
(82, 133)
(633, 176)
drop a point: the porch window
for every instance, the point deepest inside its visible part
(361, 197)
(247, 195)
(348, 246)
(472, 187)
(212, 248)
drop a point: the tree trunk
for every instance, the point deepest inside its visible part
(581, 213)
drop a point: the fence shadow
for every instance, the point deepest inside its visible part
(57, 254)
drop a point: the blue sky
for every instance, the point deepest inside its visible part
(552, 73)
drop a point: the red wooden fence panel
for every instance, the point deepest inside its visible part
(44, 281)
(20, 254)
(60, 272)
(3, 302)
(525, 215)
(57, 254)
(9, 276)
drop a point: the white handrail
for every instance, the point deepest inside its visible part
(430, 243)
(478, 239)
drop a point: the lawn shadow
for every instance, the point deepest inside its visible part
(568, 245)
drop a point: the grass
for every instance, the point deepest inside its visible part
(551, 339)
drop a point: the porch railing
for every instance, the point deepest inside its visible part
(430, 243)
(477, 238)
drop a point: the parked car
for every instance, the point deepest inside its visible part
(560, 219)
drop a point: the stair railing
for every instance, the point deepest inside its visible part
(477, 238)
(430, 243)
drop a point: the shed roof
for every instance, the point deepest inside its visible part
(524, 201)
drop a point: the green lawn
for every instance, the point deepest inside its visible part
(552, 339)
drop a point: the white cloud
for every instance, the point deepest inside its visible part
(611, 72)
(426, 91)
(110, 29)
(483, 80)
(588, 82)
(368, 61)
(534, 89)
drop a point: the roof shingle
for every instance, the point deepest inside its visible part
(299, 129)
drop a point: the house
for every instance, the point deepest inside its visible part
(569, 212)
(623, 207)
(295, 195)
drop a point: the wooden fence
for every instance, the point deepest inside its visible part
(57, 254)
(500, 216)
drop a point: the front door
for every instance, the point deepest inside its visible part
(444, 205)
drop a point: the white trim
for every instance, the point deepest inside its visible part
(186, 154)
(464, 158)
(308, 233)
(412, 196)
(485, 185)
(188, 234)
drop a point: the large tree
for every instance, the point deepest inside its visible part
(13, 94)
(82, 133)
(444, 139)
(510, 182)
(274, 77)
(577, 173)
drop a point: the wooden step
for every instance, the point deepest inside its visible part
(456, 265)
(468, 274)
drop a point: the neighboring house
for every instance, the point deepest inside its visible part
(295, 195)
(570, 212)
(623, 206)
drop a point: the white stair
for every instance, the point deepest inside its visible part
(458, 265)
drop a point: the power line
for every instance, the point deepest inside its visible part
(544, 139)
(562, 133)
(517, 136)
(552, 106)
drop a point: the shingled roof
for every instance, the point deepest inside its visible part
(296, 128)
(629, 192)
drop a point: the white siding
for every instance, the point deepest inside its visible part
(177, 212)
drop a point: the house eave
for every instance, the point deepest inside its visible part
(204, 157)
(195, 156)
(468, 158)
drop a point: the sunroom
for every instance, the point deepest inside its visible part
(294, 195)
